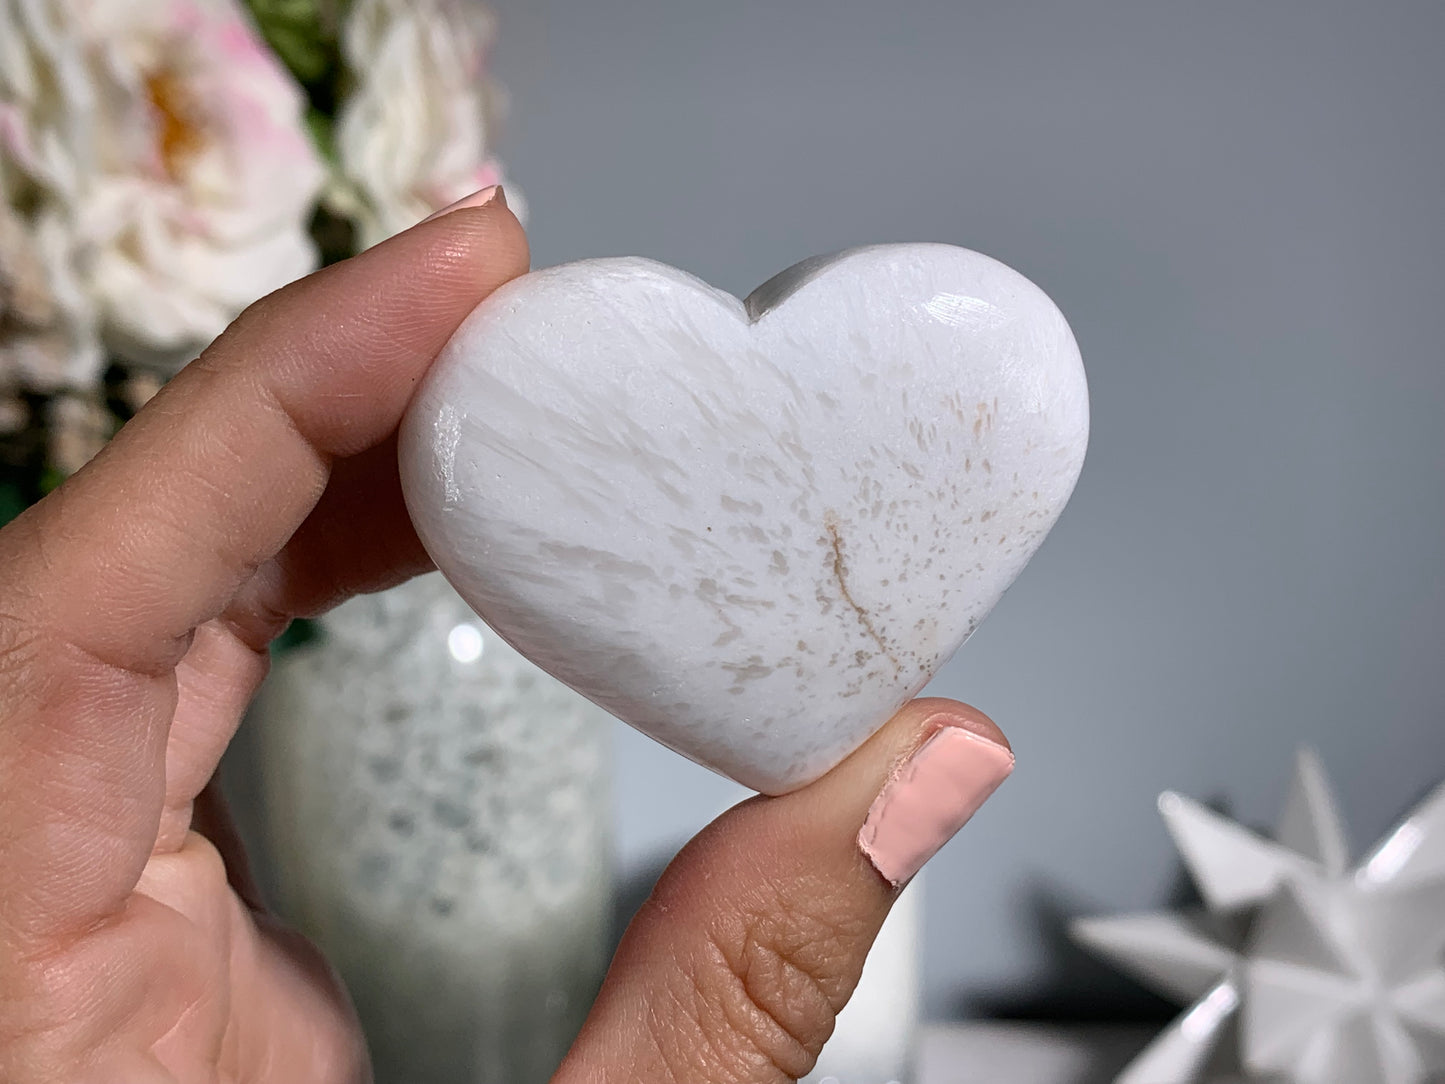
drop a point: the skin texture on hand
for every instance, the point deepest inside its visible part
(136, 605)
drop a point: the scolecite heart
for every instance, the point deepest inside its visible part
(750, 529)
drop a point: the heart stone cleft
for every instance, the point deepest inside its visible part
(750, 529)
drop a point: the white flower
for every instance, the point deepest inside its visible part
(40, 349)
(416, 133)
(157, 152)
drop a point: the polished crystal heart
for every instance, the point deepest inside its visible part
(751, 529)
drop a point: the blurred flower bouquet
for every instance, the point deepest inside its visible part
(163, 163)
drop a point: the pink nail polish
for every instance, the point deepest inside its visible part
(930, 798)
(476, 199)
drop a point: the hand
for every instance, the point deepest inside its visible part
(136, 606)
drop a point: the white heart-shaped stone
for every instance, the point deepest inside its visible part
(750, 529)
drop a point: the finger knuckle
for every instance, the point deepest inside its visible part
(20, 646)
(776, 973)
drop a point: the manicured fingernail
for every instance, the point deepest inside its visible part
(930, 798)
(476, 199)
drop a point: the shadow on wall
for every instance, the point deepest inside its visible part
(1077, 987)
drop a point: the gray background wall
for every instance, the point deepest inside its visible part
(1238, 205)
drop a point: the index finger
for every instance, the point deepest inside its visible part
(105, 580)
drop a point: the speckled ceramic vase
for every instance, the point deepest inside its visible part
(438, 819)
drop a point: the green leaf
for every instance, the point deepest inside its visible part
(302, 33)
(299, 632)
(12, 502)
(323, 134)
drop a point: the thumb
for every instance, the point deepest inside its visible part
(755, 936)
